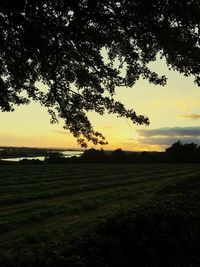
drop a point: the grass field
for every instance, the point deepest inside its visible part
(43, 207)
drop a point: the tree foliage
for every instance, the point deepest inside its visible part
(180, 148)
(60, 44)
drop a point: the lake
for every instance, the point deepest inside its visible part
(66, 154)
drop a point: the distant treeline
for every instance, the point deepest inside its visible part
(177, 153)
(18, 152)
(13, 152)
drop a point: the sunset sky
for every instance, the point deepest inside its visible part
(173, 110)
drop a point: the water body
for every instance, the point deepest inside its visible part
(66, 154)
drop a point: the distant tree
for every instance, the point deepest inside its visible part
(175, 148)
(190, 148)
(179, 147)
(60, 44)
(118, 155)
(93, 155)
(54, 157)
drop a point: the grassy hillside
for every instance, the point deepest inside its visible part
(45, 207)
(162, 232)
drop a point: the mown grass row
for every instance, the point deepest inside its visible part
(66, 184)
(51, 204)
(165, 231)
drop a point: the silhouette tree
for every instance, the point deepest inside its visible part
(179, 147)
(93, 155)
(61, 43)
(176, 147)
(118, 155)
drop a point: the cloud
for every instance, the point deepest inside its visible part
(167, 141)
(171, 132)
(164, 137)
(191, 116)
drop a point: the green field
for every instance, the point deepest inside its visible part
(44, 207)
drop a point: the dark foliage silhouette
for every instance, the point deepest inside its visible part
(60, 44)
(176, 153)
(93, 155)
(54, 157)
(118, 155)
(179, 147)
